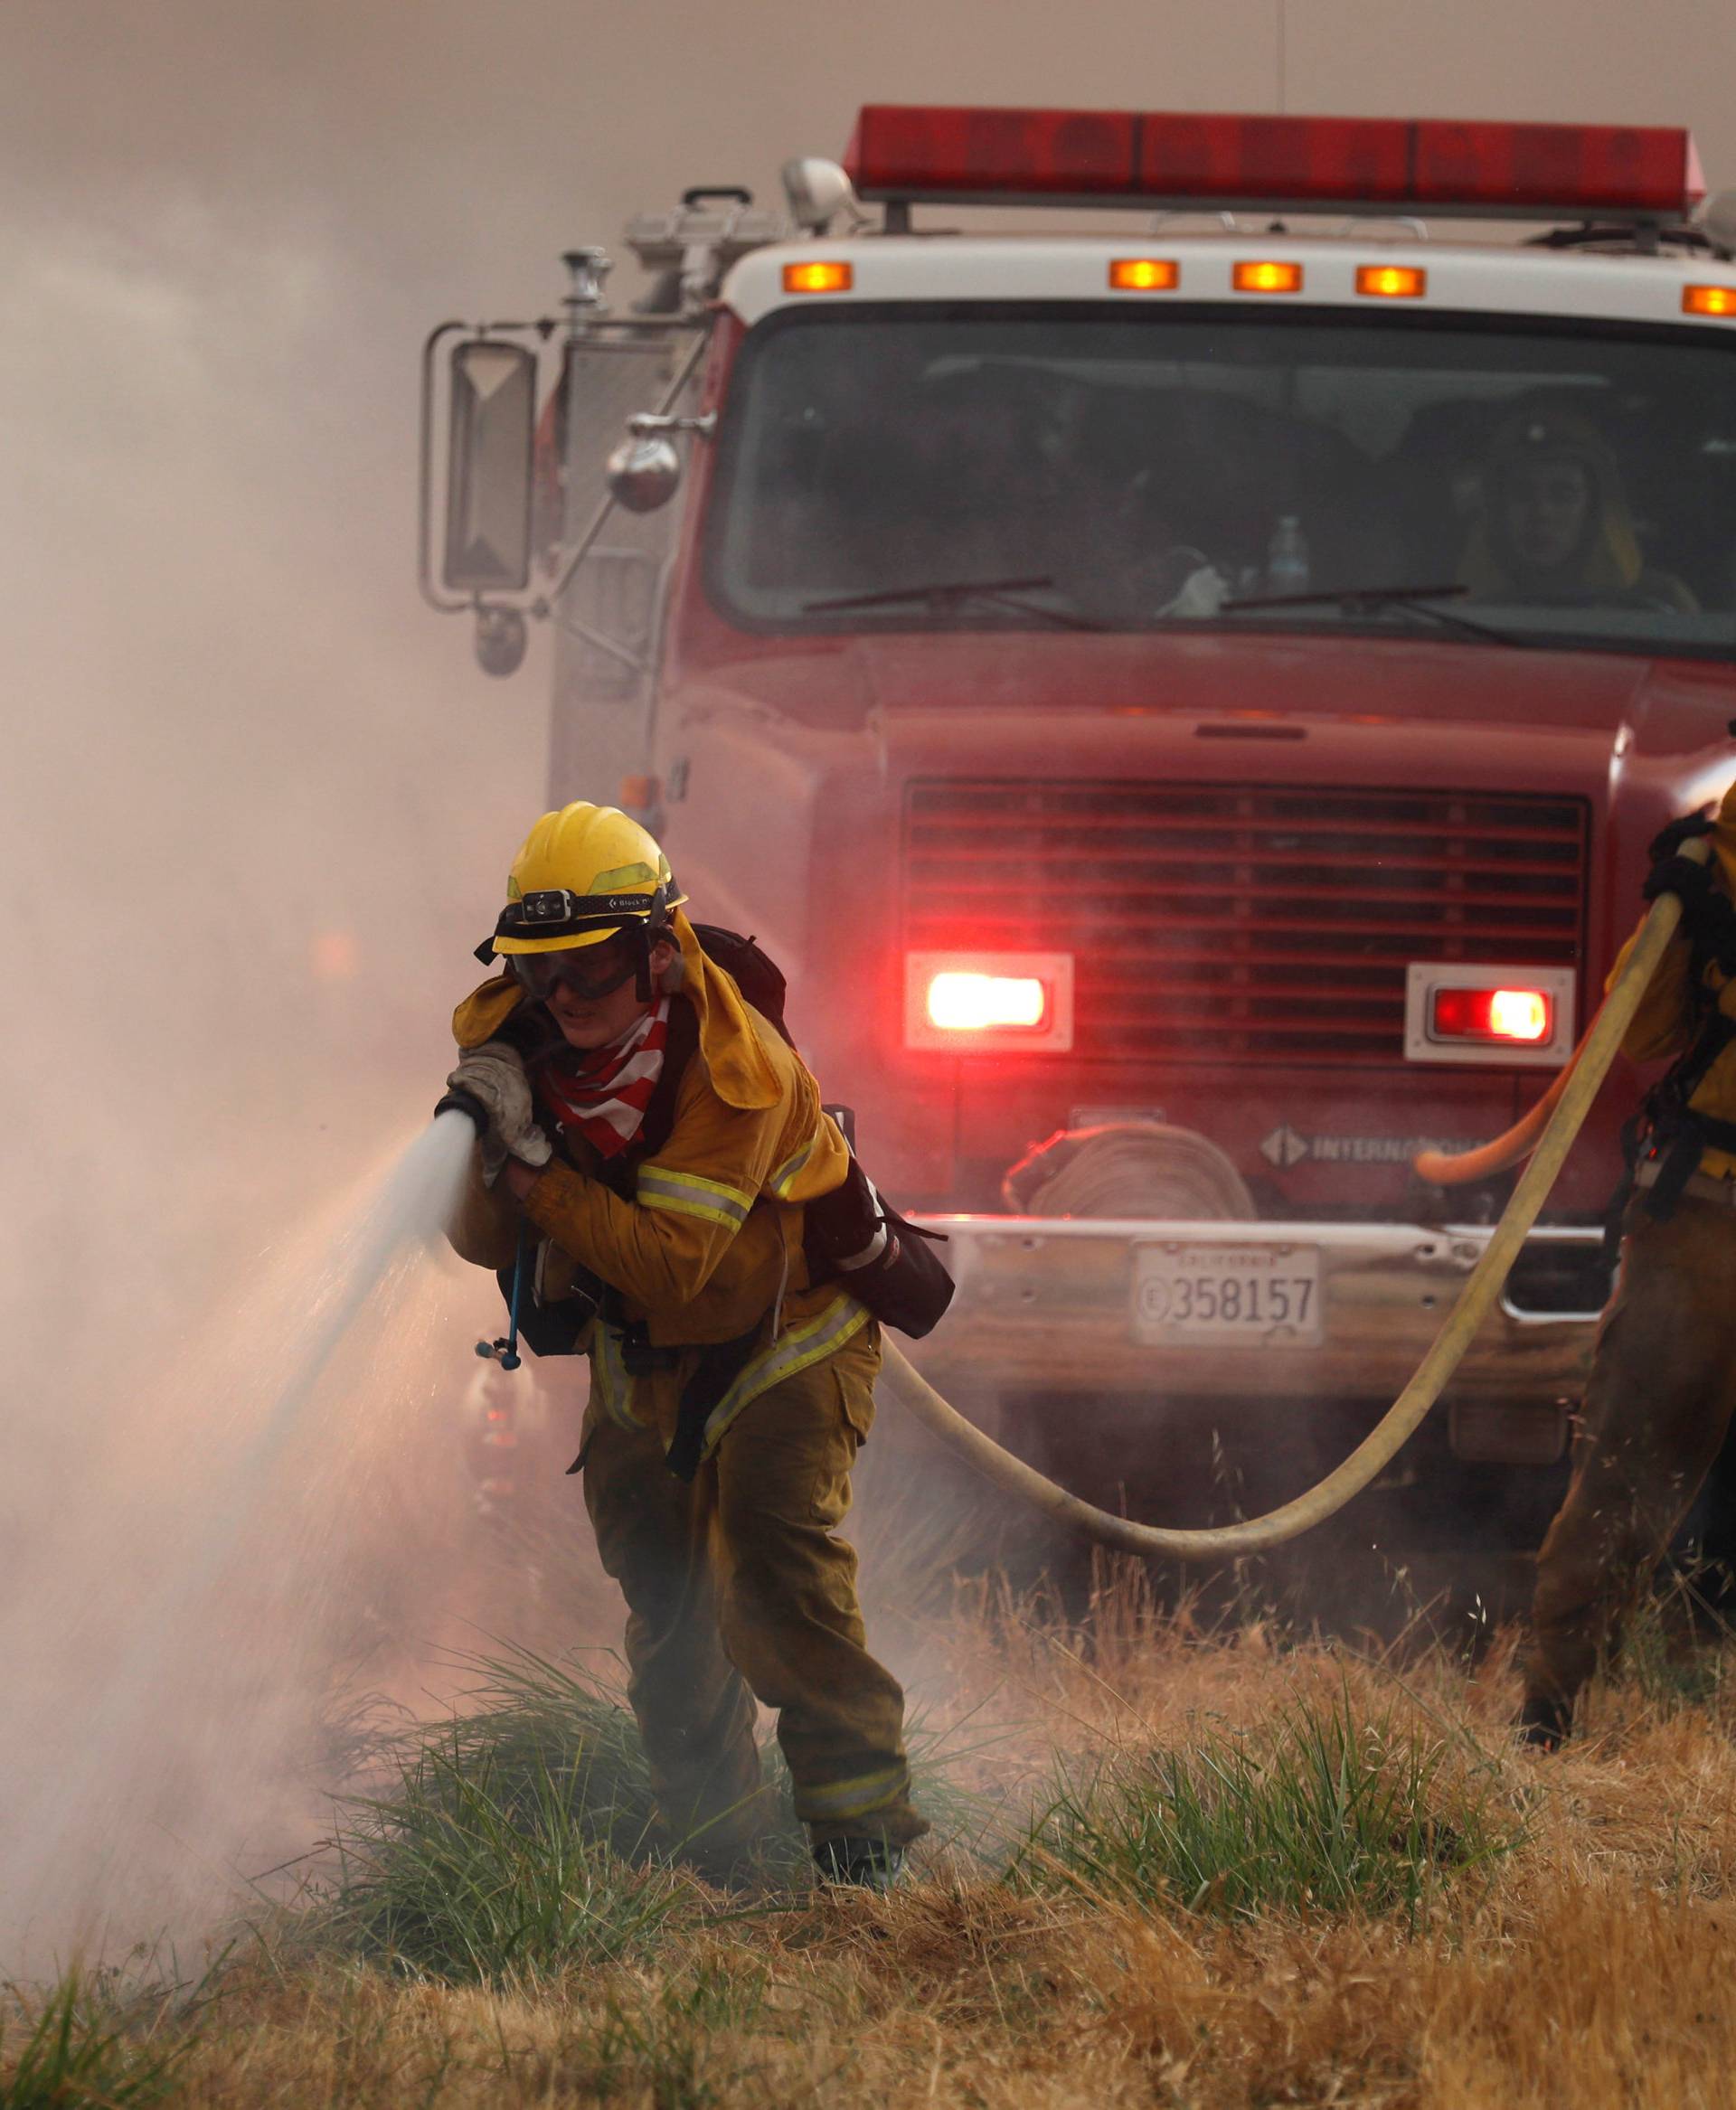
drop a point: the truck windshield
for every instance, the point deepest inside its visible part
(1578, 482)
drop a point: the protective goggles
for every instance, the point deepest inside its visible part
(586, 972)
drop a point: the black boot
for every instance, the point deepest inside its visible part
(1543, 1724)
(861, 1864)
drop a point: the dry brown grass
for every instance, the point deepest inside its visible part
(1592, 1964)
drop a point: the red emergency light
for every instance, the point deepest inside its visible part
(992, 156)
(1522, 1016)
(1003, 1002)
(966, 1001)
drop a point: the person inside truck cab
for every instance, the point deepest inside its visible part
(659, 1145)
(1553, 525)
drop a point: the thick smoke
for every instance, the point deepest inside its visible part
(254, 801)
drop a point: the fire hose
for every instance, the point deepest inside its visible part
(1546, 1135)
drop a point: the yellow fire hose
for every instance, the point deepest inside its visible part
(1566, 1106)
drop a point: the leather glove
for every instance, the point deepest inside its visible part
(1670, 870)
(1708, 915)
(1671, 873)
(494, 1075)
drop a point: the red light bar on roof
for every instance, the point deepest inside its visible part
(992, 156)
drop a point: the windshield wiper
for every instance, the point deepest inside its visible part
(944, 596)
(1358, 601)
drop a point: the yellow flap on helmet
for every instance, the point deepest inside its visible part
(582, 874)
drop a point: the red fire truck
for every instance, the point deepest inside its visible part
(1184, 689)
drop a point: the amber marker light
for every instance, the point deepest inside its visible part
(1709, 301)
(827, 278)
(1391, 281)
(1145, 274)
(1266, 277)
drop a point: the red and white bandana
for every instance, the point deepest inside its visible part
(602, 1095)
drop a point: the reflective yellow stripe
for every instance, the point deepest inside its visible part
(682, 1205)
(611, 1377)
(798, 1349)
(689, 1195)
(699, 1184)
(785, 1177)
(853, 1798)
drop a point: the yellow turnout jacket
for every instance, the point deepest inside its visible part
(709, 1245)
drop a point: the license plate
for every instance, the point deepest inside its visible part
(1253, 1295)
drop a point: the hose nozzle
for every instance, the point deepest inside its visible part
(460, 1101)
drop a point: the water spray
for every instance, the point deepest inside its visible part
(100, 1798)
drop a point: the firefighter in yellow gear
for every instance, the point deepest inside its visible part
(1662, 1384)
(652, 1140)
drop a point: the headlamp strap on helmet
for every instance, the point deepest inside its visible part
(553, 912)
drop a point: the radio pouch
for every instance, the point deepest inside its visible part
(854, 1237)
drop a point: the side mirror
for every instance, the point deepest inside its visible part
(645, 470)
(502, 636)
(492, 431)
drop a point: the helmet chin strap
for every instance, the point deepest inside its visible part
(656, 924)
(665, 984)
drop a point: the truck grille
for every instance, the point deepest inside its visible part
(1220, 922)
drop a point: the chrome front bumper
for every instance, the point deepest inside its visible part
(1047, 1305)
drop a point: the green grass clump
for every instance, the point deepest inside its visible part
(469, 1871)
(1323, 1814)
(79, 2052)
(518, 1838)
(508, 1843)
(523, 1723)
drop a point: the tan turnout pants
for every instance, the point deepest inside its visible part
(1658, 1406)
(736, 1590)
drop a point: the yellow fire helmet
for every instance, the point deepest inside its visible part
(584, 874)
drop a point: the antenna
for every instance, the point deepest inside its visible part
(1282, 55)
